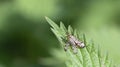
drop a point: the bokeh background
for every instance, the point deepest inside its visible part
(27, 41)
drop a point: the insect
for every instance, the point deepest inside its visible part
(74, 42)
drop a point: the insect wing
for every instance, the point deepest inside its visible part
(78, 43)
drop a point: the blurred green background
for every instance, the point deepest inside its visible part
(27, 41)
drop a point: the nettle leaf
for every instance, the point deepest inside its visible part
(89, 56)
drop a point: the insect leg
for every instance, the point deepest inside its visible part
(66, 46)
(74, 49)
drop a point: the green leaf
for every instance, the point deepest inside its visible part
(54, 25)
(89, 56)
